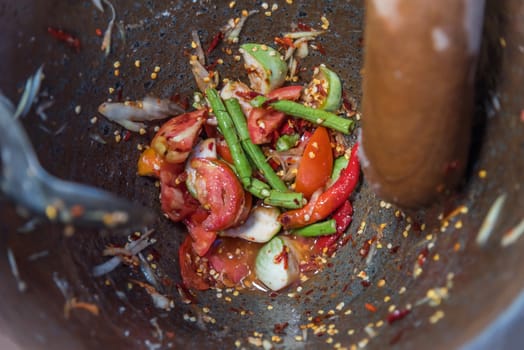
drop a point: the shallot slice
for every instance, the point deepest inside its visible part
(490, 221)
(160, 301)
(22, 286)
(512, 235)
(198, 47)
(130, 114)
(98, 5)
(130, 249)
(302, 34)
(233, 28)
(203, 77)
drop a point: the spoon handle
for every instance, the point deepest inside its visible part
(29, 185)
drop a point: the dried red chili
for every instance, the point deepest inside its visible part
(422, 256)
(127, 135)
(346, 103)
(370, 307)
(284, 42)
(217, 39)
(248, 95)
(65, 37)
(288, 127)
(320, 48)
(397, 315)
(282, 257)
(279, 328)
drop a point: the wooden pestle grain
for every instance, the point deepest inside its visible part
(419, 70)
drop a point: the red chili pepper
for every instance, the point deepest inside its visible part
(343, 217)
(214, 43)
(422, 256)
(397, 315)
(345, 100)
(321, 90)
(288, 127)
(328, 201)
(370, 307)
(279, 328)
(274, 165)
(127, 135)
(284, 42)
(320, 48)
(65, 37)
(364, 251)
(283, 256)
(302, 126)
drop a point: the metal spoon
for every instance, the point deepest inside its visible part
(28, 184)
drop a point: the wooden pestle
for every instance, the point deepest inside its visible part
(419, 72)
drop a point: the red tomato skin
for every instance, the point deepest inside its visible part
(202, 238)
(233, 259)
(188, 267)
(223, 151)
(177, 136)
(262, 123)
(175, 200)
(291, 93)
(246, 209)
(219, 191)
(316, 163)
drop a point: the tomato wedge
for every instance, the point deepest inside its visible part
(262, 123)
(291, 93)
(246, 209)
(175, 199)
(202, 238)
(316, 163)
(150, 163)
(189, 265)
(219, 191)
(177, 136)
(233, 258)
(223, 151)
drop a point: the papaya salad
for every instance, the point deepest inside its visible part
(260, 173)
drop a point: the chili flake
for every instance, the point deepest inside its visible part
(370, 307)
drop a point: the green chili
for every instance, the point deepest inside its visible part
(322, 228)
(316, 116)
